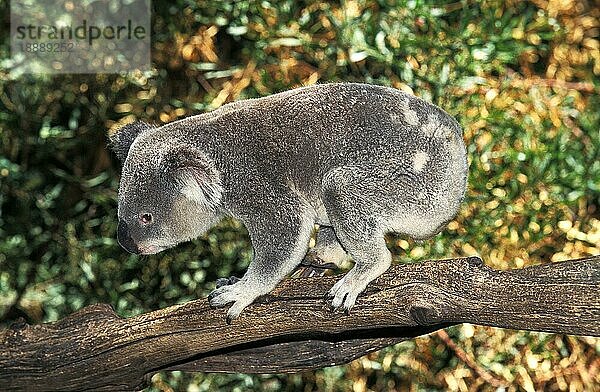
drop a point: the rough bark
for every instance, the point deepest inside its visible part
(293, 329)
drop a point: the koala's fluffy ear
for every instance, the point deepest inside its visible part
(195, 173)
(121, 140)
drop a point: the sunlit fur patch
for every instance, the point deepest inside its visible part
(420, 159)
(434, 128)
(410, 116)
(430, 127)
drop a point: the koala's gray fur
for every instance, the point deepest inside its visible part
(359, 160)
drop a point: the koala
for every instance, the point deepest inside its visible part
(357, 160)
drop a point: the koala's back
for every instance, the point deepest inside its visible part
(332, 123)
(411, 151)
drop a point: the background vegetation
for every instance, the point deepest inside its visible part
(522, 77)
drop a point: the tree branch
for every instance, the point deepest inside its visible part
(293, 329)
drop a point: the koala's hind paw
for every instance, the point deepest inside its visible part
(238, 292)
(344, 293)
(312, 265)
(312, 259)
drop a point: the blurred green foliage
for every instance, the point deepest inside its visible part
(521, 77)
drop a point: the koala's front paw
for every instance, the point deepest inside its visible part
(226, 281)
(239, 292)
(344, 293)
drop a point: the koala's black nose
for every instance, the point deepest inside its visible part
(125, 239)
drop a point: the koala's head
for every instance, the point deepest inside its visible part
(169, 192)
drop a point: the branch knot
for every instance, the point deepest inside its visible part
(423, 314)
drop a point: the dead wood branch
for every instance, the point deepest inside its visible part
(293, 329)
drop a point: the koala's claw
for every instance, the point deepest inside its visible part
(226, 281)
(220, 283)
(222, 296)
(344, 293)
(211, 300)
(235, 292)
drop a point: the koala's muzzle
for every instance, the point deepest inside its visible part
(124, 238)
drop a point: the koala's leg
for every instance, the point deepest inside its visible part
(372, 258)
(354, 216)
(280, 242)
(327, 252)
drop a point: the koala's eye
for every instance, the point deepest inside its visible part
(145, 218)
